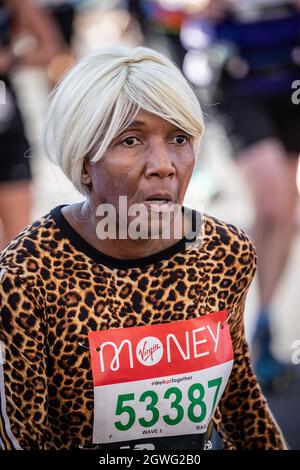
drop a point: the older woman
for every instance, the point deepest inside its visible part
(128, 338)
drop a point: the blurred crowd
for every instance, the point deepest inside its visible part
(243, 59)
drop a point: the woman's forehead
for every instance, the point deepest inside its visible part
(145, 118)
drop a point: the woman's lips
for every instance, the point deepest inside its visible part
(159, 205)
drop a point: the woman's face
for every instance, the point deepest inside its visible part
(151, 160)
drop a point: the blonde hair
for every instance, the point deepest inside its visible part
(98, 98)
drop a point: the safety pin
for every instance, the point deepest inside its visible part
(224, 323)
(228, 318)
(87, 347)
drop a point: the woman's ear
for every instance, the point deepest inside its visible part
(85, 176)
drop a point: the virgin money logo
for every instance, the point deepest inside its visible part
(149, 351)
(174, 345)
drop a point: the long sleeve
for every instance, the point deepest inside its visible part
(243, 418)
(23, 378)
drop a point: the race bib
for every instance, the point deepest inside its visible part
(159, 380)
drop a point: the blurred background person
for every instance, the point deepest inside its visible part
(260, 41)
(160, 23)
(63, 12)
(15, 171)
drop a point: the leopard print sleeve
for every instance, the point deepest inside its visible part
(243, 418)
(23, 382)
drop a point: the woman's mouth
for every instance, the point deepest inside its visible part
(155, 204)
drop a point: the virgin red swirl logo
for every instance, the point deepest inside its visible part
(149, 351)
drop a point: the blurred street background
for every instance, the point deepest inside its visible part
(217, 187)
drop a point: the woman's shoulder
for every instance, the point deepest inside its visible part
(220, 234)
(228, 249)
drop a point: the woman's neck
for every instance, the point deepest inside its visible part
(84, 221)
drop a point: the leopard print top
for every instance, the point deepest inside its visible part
(55, 288)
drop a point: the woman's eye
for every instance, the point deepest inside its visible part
(130, 141)
(181, 139)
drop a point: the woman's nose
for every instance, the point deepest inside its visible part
(159, 162)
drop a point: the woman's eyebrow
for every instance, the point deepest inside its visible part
(143, 124)
(134, 124)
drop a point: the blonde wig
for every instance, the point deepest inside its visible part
(99, 97)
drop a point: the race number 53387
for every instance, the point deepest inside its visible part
(196, 409)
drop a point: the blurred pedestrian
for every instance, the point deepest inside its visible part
(262, 43)
(15, 172)
(63, 13)
(160, 24)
